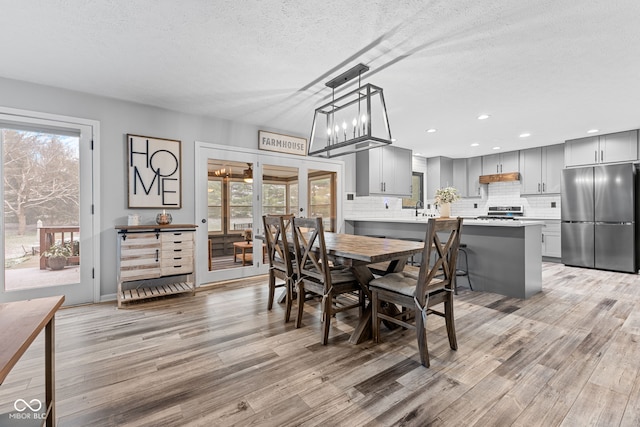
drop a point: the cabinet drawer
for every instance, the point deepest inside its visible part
(551, 227)
(177, 265)
(177, 241)
(139, 272)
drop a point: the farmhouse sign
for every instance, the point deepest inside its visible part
(282, 143)
(155, 173)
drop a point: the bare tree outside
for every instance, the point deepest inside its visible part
(41, 179)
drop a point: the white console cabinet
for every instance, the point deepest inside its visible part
(155, 260)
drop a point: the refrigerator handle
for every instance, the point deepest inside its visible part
(596, 153)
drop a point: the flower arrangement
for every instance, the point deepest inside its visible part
(446, 195)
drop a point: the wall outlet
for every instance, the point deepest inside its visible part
(350, 196)
(553, 204)
(475, 206)
(428, 206)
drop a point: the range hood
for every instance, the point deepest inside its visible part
(500, 177)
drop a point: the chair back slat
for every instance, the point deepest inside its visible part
(278, 249)
(311, 250)
(445, 254)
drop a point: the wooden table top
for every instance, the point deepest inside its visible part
(370, 250)
(20, 324)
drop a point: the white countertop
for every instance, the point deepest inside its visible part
(482, 222)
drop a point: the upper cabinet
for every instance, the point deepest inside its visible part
(500, 163)
(439, 174)
(466, 174)
(541, 169)
(614, 147)
(384, 171)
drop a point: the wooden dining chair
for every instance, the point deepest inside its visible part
(319, 275)
(434, 285)
(280, 259)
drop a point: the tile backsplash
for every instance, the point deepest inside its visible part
(495, 194)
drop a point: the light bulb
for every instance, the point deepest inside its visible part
(355, 122)
(328, 131)
(337, 128)
(364, 118)
(344, 125)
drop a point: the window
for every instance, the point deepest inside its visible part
(417, 192)
(293, 198)
(214, 205)
(274, 199)
(240, 206)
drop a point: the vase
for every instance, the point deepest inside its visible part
(445, 210)
(57, 262)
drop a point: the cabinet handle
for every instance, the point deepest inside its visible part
(157, 254)
(381, 187)
(543, 238)
(543, 189)
(596, 153)
(177, 250)
(497, 169)
(538, 187)
(602, 155)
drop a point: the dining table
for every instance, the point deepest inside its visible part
(360, 253)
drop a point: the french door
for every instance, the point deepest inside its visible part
(229, 208)
(47, 221)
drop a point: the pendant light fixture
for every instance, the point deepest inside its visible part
(355, 121)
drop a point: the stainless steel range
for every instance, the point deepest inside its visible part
(503, 212)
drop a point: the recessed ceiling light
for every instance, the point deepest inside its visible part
(475, 144)
(496, 148)
(592, 131)
(525, 135)
(431, 130)
(483, 116)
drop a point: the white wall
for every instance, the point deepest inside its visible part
(118, 118)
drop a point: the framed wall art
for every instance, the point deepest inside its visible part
(155, 172)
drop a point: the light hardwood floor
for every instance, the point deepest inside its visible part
(568, 356)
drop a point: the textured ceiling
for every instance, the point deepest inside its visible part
(552, 68)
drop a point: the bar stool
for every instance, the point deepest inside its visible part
(465, 271)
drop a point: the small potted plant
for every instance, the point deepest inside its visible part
(57, 255)
(443, 199)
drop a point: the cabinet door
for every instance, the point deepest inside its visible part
(552, 165)
(490, 164)
(619, 147)
(376, 169)
(583, 151)
(460, 176)
(397, 171)
(509, 162)
(474, 170)
(531, 171)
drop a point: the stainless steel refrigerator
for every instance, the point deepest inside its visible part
(599, 213)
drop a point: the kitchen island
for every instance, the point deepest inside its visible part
(504, 256)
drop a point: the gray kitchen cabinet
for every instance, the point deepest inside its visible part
(500, 163)
(610, 148)
(474, 170)
(466, 174)
(541, 169)
(439, 174)
(460, 176)
(551, 243)
(384, 171)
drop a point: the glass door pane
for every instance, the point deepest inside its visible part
(279, 190)
(322, 197)
(47, 243)
(229, 214)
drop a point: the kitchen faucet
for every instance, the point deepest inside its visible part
(418, 205)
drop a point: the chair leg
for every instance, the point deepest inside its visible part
(451, 326)
(362, 301)
(375, 322)
(300, 303)
(288, 299)
(421, 334)
(326, 318)
(272, 289)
